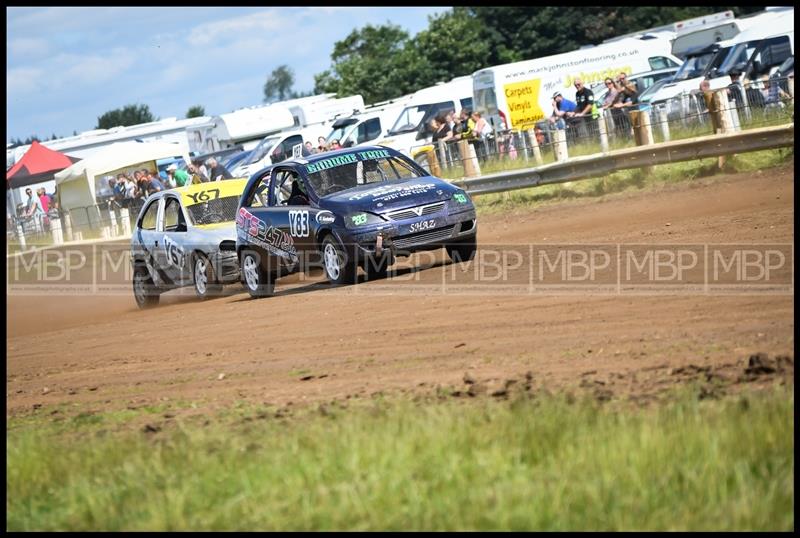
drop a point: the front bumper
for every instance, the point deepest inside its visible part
(453, 227)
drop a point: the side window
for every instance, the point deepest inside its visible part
(282, 186)
(467, 103)
(773, 52)
(288, 144)
(258, 198)
(658, 62)
(148, 221)
(368, 130)
(173, 216)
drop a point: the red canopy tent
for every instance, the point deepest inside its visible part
(39, 163)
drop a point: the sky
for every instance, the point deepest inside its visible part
(65, 67)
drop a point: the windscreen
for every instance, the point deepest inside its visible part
(261, 150)
(410, 118)
(737, 57)
(339, 131)
(351, 170)
(212, 211)
(694, 66)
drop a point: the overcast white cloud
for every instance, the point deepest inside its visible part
(67, 66)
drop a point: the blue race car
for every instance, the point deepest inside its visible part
(341, 210)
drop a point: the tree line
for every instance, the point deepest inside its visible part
(381, 62)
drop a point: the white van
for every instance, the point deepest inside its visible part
(519, 94)
(278, 147)
(765, 42)
(410, 133)
(368, 126)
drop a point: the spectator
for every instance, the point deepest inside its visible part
(611, 95)
(169, 181)
(335, 145)
(467, 128)
(561, 107)
(628, 87)
(198, 172)
(322, 144)
(153, 184)
(541, 140)
(441, 130)
(310, 150)
(217, 172)
(179, 176)
(580, 117)
(773, 94)
(44, 200)
(33, 209)
(119, 189)
(482, 128)
(130, 191)
(735, 94)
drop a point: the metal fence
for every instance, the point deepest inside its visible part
(757, 104)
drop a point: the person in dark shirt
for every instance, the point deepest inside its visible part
(216, 171)
(583, 114)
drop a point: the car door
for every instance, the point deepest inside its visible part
(147, 238)
(290, 215)
(173, 253)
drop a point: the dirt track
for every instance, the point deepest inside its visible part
(103, 352)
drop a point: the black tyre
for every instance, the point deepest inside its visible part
(462, 251)
(144, 291)
(205, 278)
(256, 281)
(340, 268)
(376, 268)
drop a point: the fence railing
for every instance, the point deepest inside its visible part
(693, 114)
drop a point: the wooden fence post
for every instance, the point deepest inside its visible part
(68, 226)
(471, 166)
(443, 155)
(663, 121)
(560, 145)
(601, 124)
(433, 163)
(537, 152)
(125, 217)
(642, 132)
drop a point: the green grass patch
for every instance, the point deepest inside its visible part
(626, 180)
(547, 463)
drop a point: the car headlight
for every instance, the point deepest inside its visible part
(460, 200)
(361, 218)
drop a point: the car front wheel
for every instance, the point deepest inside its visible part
(340, 268)
(257, 281)
(463, 251)
(205, 279)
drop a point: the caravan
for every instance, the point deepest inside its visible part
(517, 95)
(248, 126)
(368, 126)
(410, 133)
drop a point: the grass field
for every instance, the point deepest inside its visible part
(528, 464)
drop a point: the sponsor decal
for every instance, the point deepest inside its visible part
(460, 198)
(254, 230)
(523, 102)
(298, 223)
(422, 226)
(349, 158)
(325, 217)
(388, 192)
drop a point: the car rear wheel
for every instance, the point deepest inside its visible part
(340, 268)
(257, 281)
(463, 251)
(205, 279)
(144, 291)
